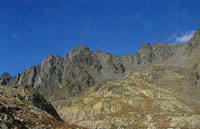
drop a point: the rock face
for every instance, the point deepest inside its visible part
(113, 62)
(193, 45)
(30, 96)
(23, 107)
(45, 76)
(151, 54)
(83, 55)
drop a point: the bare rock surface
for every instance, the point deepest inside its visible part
(22, 107)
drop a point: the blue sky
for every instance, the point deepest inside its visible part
(30, 30)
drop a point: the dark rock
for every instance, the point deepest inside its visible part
(76, 79)
(5, 78)
(83, 55)
(113, 62)
(15, 79)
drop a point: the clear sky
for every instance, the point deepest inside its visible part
(30, 30)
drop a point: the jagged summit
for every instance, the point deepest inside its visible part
(145, 45)
(83, 64)
(58, 77)
(5, 78)
(159, 43)
(6, 75)
(81, 49)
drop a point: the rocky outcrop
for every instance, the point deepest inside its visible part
(83, 55)
(28, 76)
(5, 78)
(113, 62)
(44, 77)
(23, 107)
(40, 74)
(15, 79)
(30, 96)
(77, 79)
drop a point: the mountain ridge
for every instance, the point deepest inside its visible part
(94, 66)
(156, 87)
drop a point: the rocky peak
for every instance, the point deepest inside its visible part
(113, 62)
(146, 53)
(160, 43)
(151, 54)
(83, 55)
(79, 49)
(6, 75)
(52, 60)
(28, 76)
(101, 54)
(5, 78)
(193, 44)
(49, 65)
(15, 79)
(147, 45)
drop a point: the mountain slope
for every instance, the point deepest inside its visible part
(30, 96)
(189, 52)
(161, 97)
(165, 94)
(24, 108)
